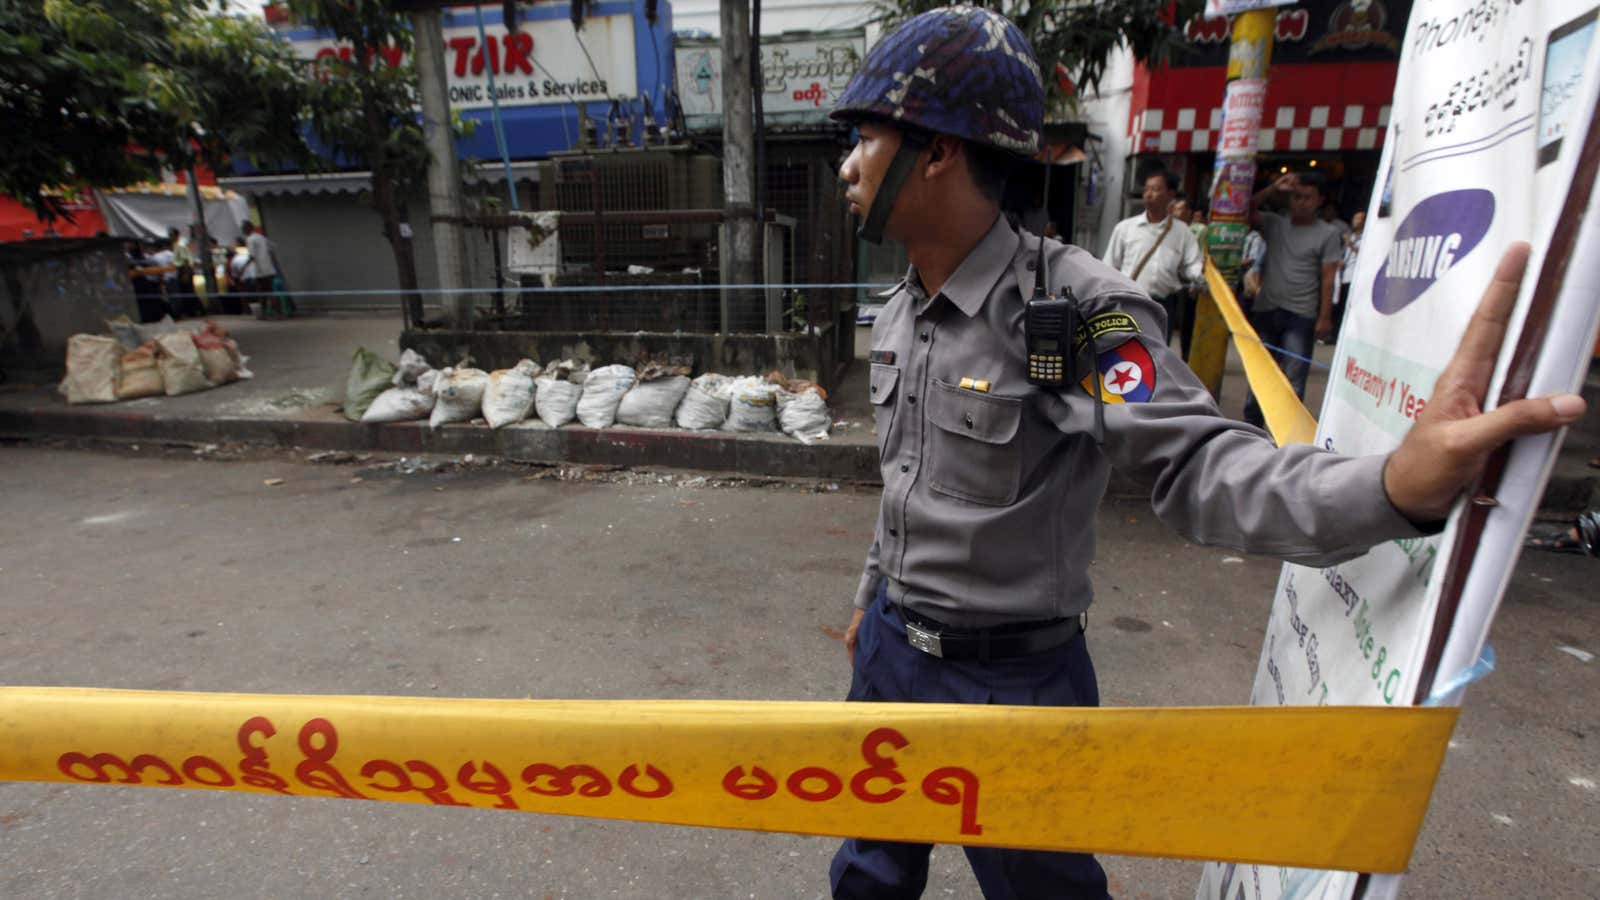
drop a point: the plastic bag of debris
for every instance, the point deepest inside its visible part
(141, 375)
(509, 395)
(370, 375)
(651, 402)
(458, 395)
(602, 393)
(557, 392)
(752, 405)
(804, 415)
(94, 369)
(705, 405)
(411, 367)
(182, 372)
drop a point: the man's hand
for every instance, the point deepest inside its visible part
(1284, 183)
(1325, 328)
(1453, 437)
(850, 634)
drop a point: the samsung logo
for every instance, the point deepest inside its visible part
(1435, 235)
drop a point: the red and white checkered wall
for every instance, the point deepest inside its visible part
(1286, 129)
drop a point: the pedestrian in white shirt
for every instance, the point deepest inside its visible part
(1157, 251)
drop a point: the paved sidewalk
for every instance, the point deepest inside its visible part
(301, 365)
(294, 400)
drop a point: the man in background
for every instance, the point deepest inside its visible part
(1295, 306)
(1157, 251)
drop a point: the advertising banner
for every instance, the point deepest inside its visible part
(544, 62)
(1492, 107)
(802, 75)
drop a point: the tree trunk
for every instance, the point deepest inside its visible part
(444, 182)
(383, 198)
(738, 150)
(200, 237)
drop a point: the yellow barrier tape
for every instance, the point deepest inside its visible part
(1324, 787)
(1287, 418)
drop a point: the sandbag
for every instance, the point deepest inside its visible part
(370, 375)
(182, 372)
(705, 405)
(458, 395)
(752, 405)
(650, 404)
(804, 415)
(603, 391)
(141, 375)
(556, 401)
(94, 367)
(411, 367)
(509, 394)
(400, 404)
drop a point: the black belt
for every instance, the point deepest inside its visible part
(1018, 639)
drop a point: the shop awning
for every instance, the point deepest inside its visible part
(1310, 108)
(301, 184)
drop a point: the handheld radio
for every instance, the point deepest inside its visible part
(1051, 325)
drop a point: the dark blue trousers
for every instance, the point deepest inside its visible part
(888, 669)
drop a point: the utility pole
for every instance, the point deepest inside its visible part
(444, 181)
(1232, 181)
(200, 236)
(738, 151)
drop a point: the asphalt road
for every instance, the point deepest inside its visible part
(147, 570)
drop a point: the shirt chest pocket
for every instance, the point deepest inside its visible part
(974, 453)
(881, 391)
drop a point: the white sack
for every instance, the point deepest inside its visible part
(602, 392)
(752, 405)
(651, 403)
(458, 395)
(509, 394)
(804, 415)
(411, 367)
(400, 404)
(705, 406)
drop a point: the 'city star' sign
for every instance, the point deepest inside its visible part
(542, 63)
(802, 75)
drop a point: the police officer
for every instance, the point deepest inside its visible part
(976, 585)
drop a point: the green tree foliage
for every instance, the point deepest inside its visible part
(363, 110)
(1080, 36)
(110, 93)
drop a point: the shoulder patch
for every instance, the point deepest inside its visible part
(1103, 324)
(1126, 372)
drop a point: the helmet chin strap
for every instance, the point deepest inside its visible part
(912, 143)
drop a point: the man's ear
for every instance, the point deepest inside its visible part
(945, 153)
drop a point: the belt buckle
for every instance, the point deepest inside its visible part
(923, 639)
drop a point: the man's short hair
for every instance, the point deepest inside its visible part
(1152, 171)
(1315, 180)
(990, 169)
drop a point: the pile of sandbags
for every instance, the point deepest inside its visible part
(150, 360)
(656, 395)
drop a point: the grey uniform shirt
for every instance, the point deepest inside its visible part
(989, 497)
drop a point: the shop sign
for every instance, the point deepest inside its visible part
(1315, 31)
(540, 64)
(802, 76)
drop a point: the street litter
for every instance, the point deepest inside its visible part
(273, 482)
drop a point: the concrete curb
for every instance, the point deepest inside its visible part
(710, 451)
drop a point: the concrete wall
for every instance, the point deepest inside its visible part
(808, 357)
(53, 289)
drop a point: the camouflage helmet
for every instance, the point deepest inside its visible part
(959, 70)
